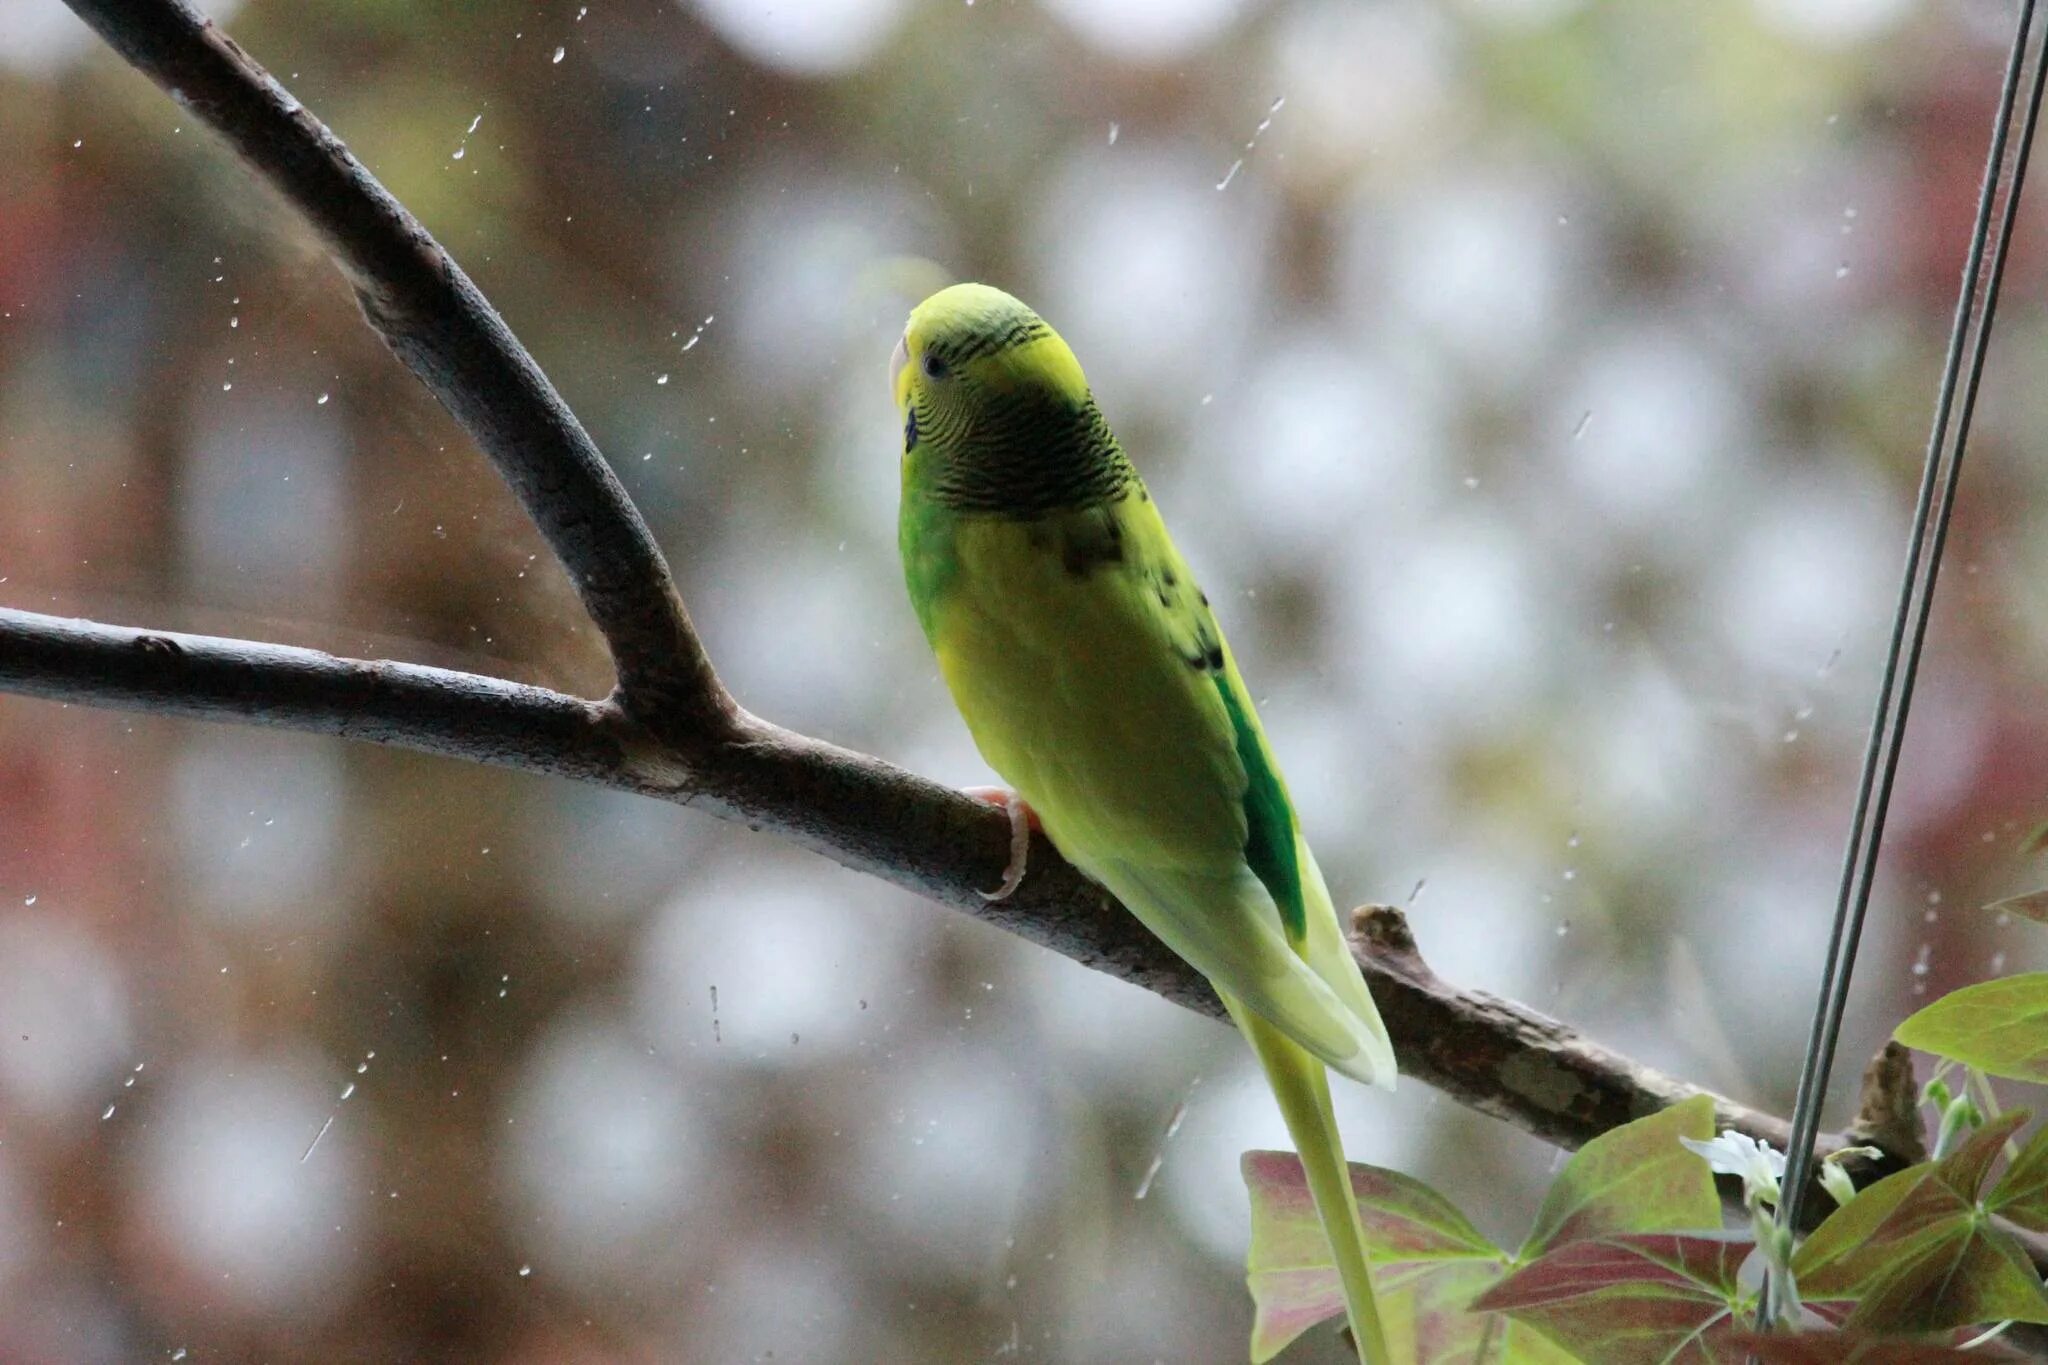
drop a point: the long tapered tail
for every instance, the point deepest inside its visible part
(1302, 1088)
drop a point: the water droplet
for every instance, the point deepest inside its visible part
(1842, 271)
(1115, 129)
(31, 900)
(459, 153)
(559, 54)
(109, 1114)
(1564, 927)
(322, 400)
(1585, 420)
(525, 1271)
(661, 379)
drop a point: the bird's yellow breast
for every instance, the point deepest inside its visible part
(1083, 690)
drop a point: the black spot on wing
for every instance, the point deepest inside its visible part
(1091, 540)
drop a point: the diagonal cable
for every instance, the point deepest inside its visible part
(1969, 340)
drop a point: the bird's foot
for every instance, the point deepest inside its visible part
(1023, 820)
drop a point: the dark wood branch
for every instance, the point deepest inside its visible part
(419, 300)
(1486, 1052)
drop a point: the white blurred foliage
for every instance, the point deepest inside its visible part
(40, 37)
(804, 37)
(1521, 13)
(607, 1152)
(1833, 22)
(796, 634)
(1325, 442)
(64, 1016)
(258, 819)
(231, 1192)
(1476, 259)
(791, 953)
(1333, 116)
(1449, 629)
(807, 252)
(793, 1298)
(1149, 31)
(602, 857)
(263, 506)
(1760, 924)
(945, 1156)
(1665, 438)
(1810, 567)
(1150, 272)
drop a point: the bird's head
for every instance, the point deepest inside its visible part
(971, 352)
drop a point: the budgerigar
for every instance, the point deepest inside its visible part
(1092, 673)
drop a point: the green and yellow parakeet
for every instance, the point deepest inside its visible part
(1095, 680)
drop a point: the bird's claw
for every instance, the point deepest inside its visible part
(1022, 821)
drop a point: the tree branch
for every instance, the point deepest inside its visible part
(419, 300)
(1486, 1052)
(671, 730)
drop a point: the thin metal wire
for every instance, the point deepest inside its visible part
(1916, 596)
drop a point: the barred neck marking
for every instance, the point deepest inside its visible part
(1025, 456)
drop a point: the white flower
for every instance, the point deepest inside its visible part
(1760, 1165)
(1834, 1179)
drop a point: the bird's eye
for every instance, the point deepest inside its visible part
(935, 367)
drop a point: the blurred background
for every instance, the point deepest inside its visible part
(1538, 386)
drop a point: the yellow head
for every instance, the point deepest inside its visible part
(996, 413)
(971, 342)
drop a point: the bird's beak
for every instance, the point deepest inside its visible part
(898, 358)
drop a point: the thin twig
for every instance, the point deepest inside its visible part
(418, 299)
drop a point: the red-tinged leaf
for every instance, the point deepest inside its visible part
(1635, 1178)
(1976, 1275)
(1645, 1297)
(1851, 1348)
(1434, 1325)
(1999, 1027)
(1964, 1169)
(1700, 1263)
(2033, 905)
(2022, 1192)
(1410, 1230)
(1862, 1240)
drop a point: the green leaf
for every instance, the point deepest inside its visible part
(1632, 1299)
(2021, 1194)
(2033, 905)
(1965, 1168)
(1916, 1252)
(1635, 1178)
(1411, 1232)
(2000, 1027)
(1854, 1245)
